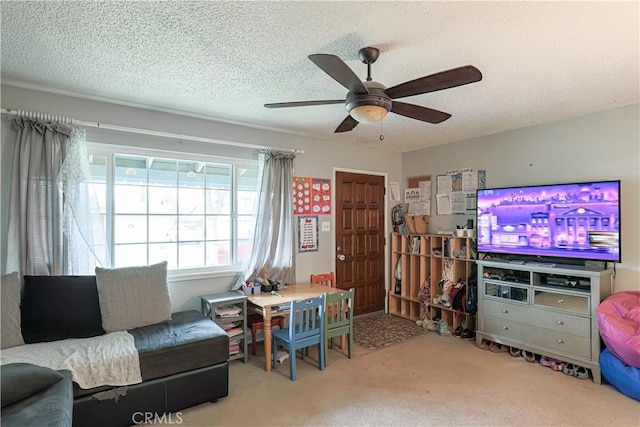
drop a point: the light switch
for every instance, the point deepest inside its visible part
(326, 226)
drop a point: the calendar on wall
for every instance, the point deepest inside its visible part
(311, 196)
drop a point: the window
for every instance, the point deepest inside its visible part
(195, 214)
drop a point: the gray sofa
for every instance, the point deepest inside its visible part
(35, 396)
(183, 360)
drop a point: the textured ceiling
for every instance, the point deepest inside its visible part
(541, 62)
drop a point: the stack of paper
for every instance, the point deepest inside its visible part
(234, 346)
(227, 311)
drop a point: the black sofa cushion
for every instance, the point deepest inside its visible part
(60, 307)
(188, 341)
(21, 380)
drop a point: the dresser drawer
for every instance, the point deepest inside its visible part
(506, 292)
(560, 341)
(561, 322)
(505, 310)
(565, 302)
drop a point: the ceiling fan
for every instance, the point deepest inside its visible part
(369, 101)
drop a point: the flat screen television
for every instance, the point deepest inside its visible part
(576, 220)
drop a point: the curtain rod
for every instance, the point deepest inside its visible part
(51, 117)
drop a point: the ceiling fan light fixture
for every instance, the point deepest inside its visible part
(371, 107)
(368, 113)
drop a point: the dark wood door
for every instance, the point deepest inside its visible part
(360, 219)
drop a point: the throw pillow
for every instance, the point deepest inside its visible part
(10, 314)
(21, 380)
(132, 297)
(60, 307)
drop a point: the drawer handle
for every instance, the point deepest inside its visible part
(560, 301)
(560, 341)
(506, 328)
(560, 322)
(505, 311)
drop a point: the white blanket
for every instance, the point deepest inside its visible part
(110, 359)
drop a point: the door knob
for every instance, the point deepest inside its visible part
(341, 257)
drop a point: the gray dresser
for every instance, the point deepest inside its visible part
(546, 309)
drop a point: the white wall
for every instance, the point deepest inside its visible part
(602, 146)
(319, 161)
(599, 146)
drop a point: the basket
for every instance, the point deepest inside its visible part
(417, 224)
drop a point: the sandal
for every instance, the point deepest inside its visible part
(528, 356)
(498, 348)
(569, 369)
(494, 347)
(581, 373)
(515, 352)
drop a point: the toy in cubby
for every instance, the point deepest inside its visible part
(445, 298)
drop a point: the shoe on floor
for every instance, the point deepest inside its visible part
(569, 369)
(497, 348)
(458, 331)
(581, 373)
(485, 344)
(547, 361)
(468, 334)
(515, 352)
(431, 325)
(528, 356)
(558, 365)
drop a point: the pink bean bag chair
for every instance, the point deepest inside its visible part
(619, 322)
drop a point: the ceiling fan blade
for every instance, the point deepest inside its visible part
(304, 103)
(419, 113)
(443, 80)
(347, 124)
(339, 71)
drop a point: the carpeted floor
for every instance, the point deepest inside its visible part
(383, 330)
(428, 380)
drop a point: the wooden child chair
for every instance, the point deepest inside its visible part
(324, 279)
(306, 328)
(338, 320)
(256, 322)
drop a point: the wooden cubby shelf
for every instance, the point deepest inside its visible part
(434, 257)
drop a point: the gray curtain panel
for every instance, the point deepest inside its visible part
(35, 238)
(273, 241)
(54, 225)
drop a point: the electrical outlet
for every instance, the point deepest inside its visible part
(326, 226)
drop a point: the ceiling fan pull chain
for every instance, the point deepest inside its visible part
(381, 135)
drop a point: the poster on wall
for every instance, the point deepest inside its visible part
(308, 233)
(421, 205)
(456, 190)
(311, 196)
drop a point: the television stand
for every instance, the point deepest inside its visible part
(544, 309)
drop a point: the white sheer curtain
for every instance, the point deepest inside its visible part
(49, 215)
(273, 241)
(86, 245)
